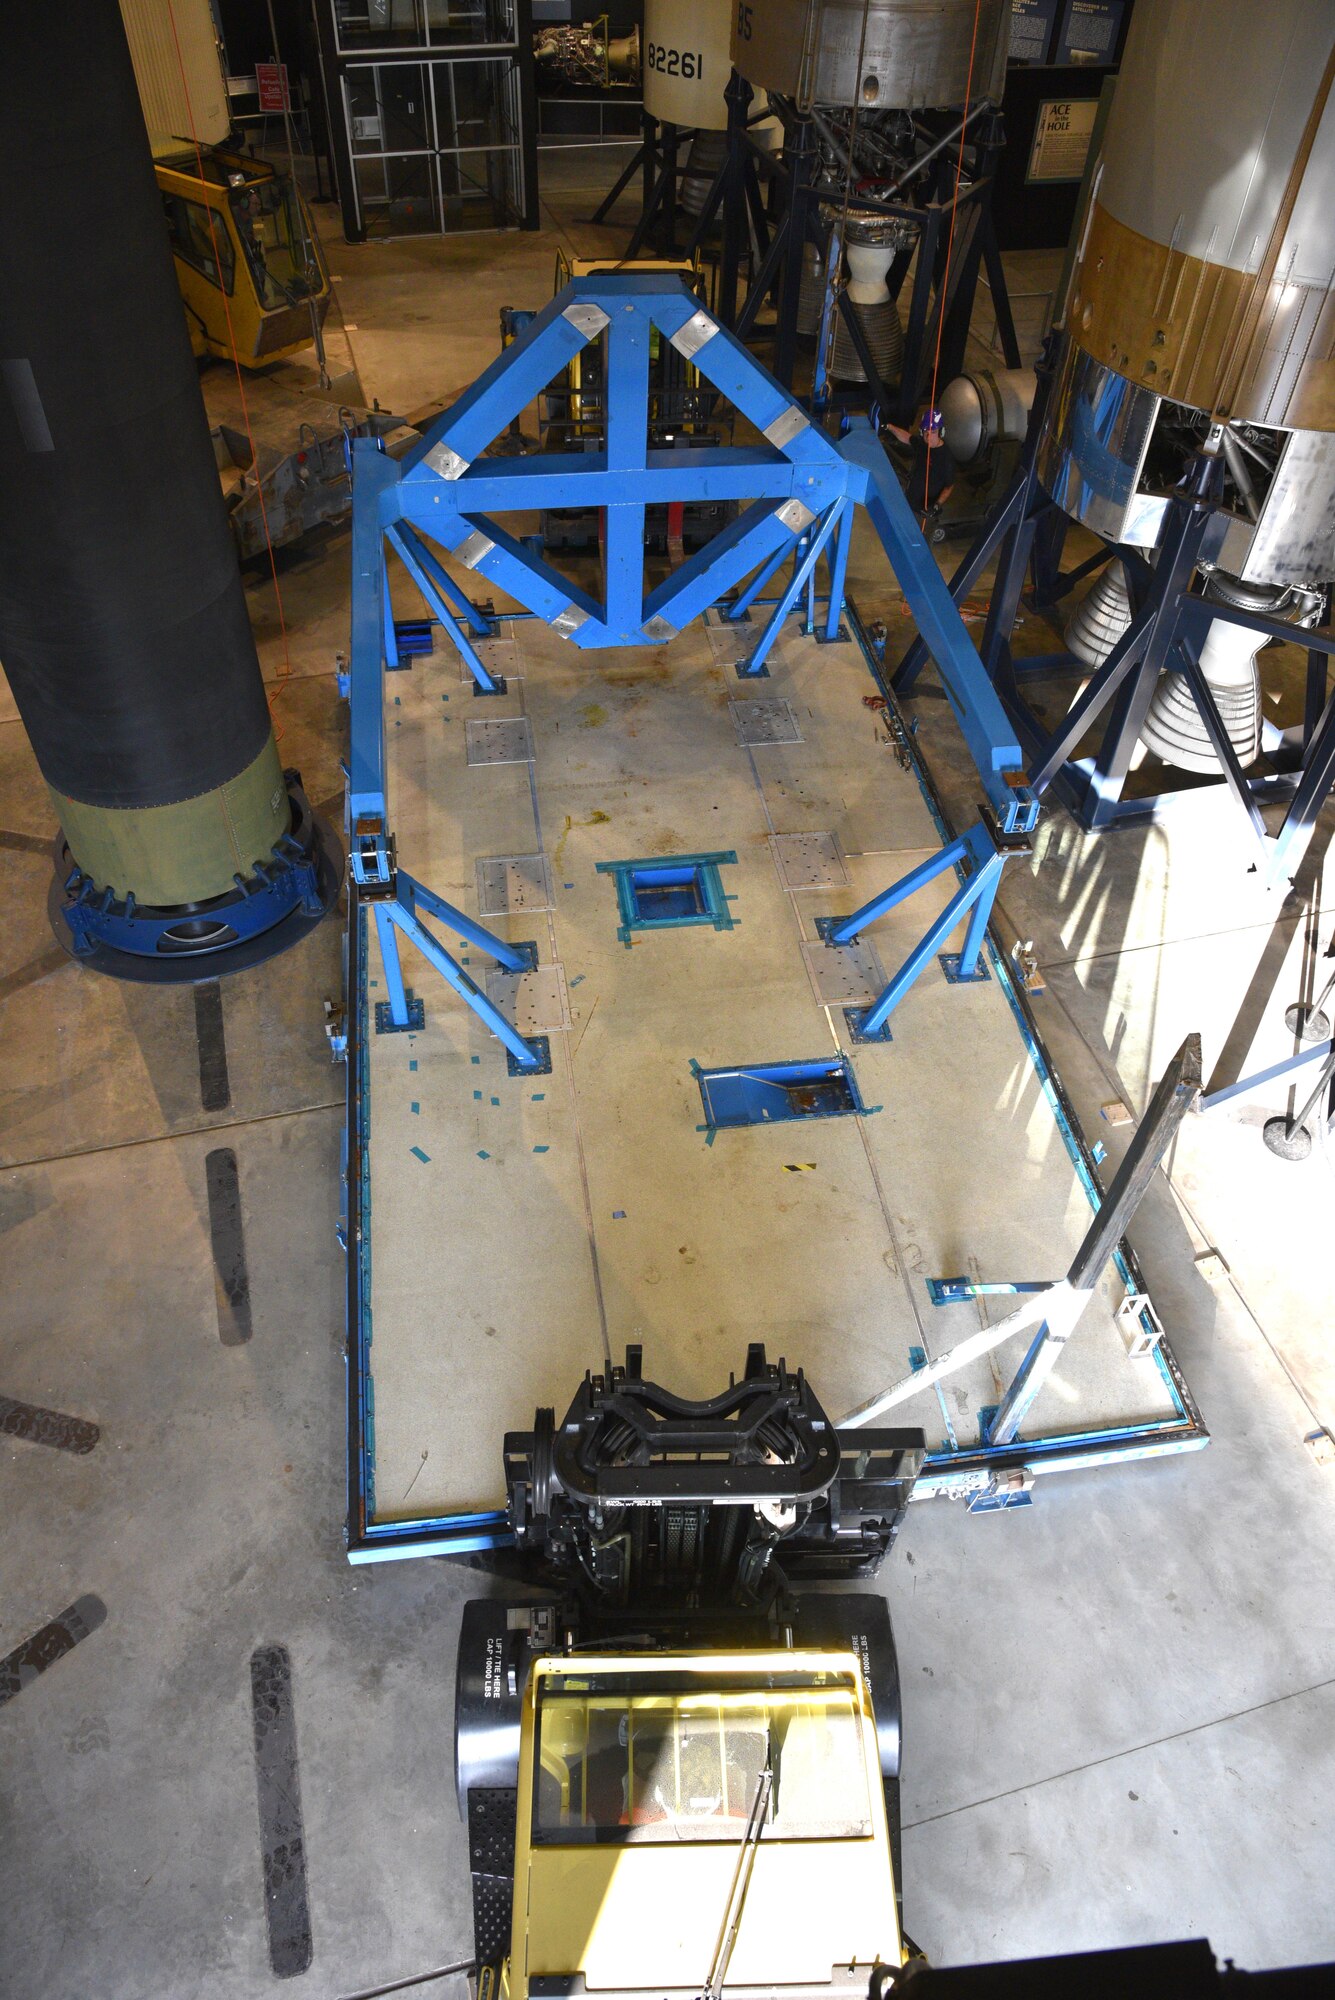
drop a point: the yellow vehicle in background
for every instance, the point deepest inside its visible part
(243, 231)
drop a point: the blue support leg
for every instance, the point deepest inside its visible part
(525, 1055)
(927, 871)
(989, 881)
(837, 560)
(400, 1006)
(801, 571)
(392, 660)
(741, 605)
(875, 1017)
(483, 626)
(413, 895)
(436, 604)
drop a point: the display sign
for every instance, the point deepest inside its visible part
(271, 82)
(1061, 138)
(1032, 23)
(1089, 31)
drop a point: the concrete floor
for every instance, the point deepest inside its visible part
(1119, 1702)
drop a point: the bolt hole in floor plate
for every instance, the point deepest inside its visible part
(509, 1230)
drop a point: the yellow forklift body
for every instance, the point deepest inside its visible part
(242, 230)
(637, 1776)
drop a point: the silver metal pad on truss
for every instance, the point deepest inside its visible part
(689, 339)
(445, 460)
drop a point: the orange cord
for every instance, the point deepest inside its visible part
(285, 671)
(950, 243)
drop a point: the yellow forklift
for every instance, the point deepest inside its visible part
(679, 1767)
(242, 229)
(240, 233)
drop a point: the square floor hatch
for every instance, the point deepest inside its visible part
(769, 1093)
(660, 895)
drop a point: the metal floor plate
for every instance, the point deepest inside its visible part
(535, 1002)
(769, 721)
(513, 883)
(499, 655)
(808, 860)
(844, 973)
(502, 739)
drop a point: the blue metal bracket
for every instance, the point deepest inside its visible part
(400, 911)
(981, 856)
(955, 1291)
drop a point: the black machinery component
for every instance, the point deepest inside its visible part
(643, 1503)
(657, 1523)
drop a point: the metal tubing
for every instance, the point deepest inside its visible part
(837, 563)
(393, 970)
(1178, 1091)
(1319, 1052)
(965, 1351)
(741, 605)
(391, 636)
(978, 922)
(444, 582)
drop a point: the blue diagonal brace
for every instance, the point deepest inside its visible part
(414, 895)
(983, 721)
(714, 570)
(927, 871)
(483, 626)
(408, 555)
(837, 561)
(801, 572)
(977, 895)
(401, 916)
(742, 604)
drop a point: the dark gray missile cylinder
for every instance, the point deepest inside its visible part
(123, 626)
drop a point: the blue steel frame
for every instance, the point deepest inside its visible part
(797, 492)
(972, 1473)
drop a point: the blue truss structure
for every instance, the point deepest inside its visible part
(797, 490)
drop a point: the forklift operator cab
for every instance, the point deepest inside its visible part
(637, 1781)
(242, 230)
